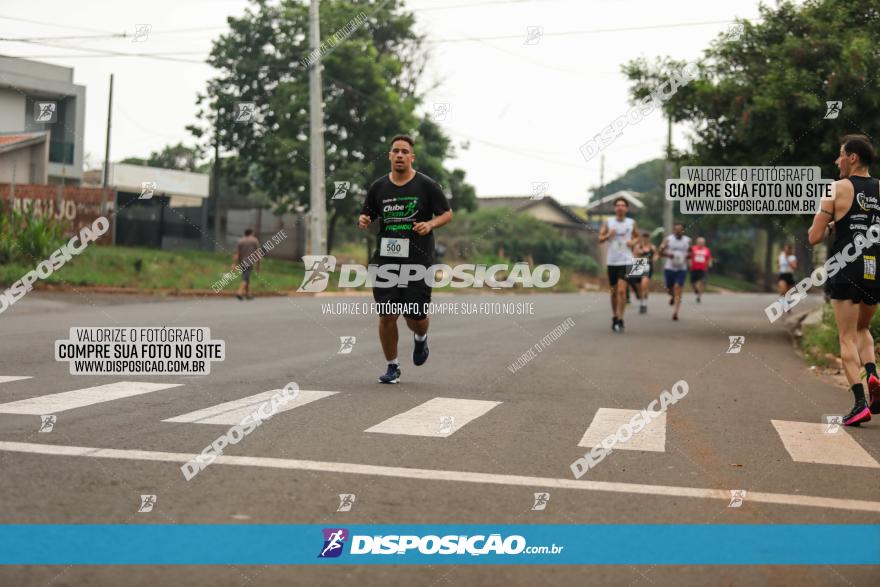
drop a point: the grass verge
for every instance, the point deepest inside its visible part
(150, 270)
(820, 341)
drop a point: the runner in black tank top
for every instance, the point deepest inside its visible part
(857, 281)
(855, 212)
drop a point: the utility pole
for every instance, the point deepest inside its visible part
(107, 160)
(318, 209)
(109, 124)
(667, 204)
(215, 190)
(602, 176)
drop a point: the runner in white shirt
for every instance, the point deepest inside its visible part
(787, 265)
(621, 234)
(676, 248)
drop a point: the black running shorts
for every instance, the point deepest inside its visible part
(412, 301)
(850, 291)
(788, 278)
(615, 273)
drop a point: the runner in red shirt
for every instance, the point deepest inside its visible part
(701, 259)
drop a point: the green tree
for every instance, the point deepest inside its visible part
(369, 91)
(760, 96)
(177, 156)
(648, 179)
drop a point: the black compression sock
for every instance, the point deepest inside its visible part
(859, 392)
(871, 369)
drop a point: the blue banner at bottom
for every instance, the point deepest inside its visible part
(523, 544)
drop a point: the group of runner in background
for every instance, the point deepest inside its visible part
(409, 206)
(631, 258)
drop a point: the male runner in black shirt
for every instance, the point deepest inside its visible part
(855, 287)
(409, 206)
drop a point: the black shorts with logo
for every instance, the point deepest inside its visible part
(411, 300)
(857, 280)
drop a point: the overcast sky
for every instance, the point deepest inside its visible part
(524, 106)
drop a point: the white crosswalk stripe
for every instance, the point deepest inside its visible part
(9, 378)
(439, 417)
(345, 468)
(608, 421)
(79, 398)
(807, 442)
(232, 412)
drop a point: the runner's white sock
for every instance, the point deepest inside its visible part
(643, 303)
(394, 361)
(421, 337)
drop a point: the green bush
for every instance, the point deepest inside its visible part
(579, 262)
(488, 260)
(27, 238)
(734, 255)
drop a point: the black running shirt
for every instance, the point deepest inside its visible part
(398, 208)
(863, 212)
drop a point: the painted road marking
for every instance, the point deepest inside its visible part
(608, 421)
(231, 413)
(807, 442)
(439, 417)
(543, 483)
(8, 378)
(79, 398)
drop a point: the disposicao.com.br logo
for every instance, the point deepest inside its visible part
(334, 540)
(319, 267)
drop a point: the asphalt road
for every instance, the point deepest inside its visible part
(736, 429)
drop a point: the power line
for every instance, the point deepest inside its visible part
(108, 35)
(109, 53)
(189, 30)
(584, 32)
(471, 5)
(170, 55)
(64, 38)
(122, 35)
(147, 55)
(515, 151)
(63, 26)
(520, 152)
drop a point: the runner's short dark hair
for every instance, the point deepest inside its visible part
(248, 231)
(860, 145)
(406, 138)
(621, 199)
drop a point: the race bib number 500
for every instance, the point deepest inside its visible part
(394, 247)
